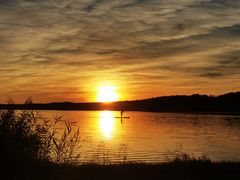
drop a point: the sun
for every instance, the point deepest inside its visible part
(107, 94)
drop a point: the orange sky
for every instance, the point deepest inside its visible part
(64, 50)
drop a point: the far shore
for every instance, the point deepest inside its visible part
(228, 104)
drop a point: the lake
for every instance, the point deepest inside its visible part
(148, 136)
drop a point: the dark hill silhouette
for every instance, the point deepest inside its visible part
(229, 103)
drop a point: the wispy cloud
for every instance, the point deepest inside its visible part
(152, 47)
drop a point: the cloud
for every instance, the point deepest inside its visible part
(212, 74)
(133, 42)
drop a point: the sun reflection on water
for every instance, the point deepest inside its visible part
(107, 123)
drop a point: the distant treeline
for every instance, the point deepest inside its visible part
(181, 103)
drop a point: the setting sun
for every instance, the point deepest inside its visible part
(107, 94)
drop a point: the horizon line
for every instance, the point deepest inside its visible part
(30, 99)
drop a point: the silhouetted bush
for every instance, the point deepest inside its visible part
(181, 156)
(66, 146)
(25, 136)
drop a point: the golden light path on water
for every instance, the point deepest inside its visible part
(107, 123)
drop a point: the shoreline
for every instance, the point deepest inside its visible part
(171, 170)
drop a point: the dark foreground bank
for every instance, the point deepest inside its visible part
(172, 170)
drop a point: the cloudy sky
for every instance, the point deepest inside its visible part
(62, 50)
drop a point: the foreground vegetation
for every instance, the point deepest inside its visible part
(172, 170)
(31, 148)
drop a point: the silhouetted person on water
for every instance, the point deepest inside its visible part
(122, 116)
(122, 113)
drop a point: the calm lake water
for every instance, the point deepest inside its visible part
(147, 136)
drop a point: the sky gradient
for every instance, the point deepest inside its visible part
(62, 50)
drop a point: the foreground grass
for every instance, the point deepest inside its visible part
(171, 170)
